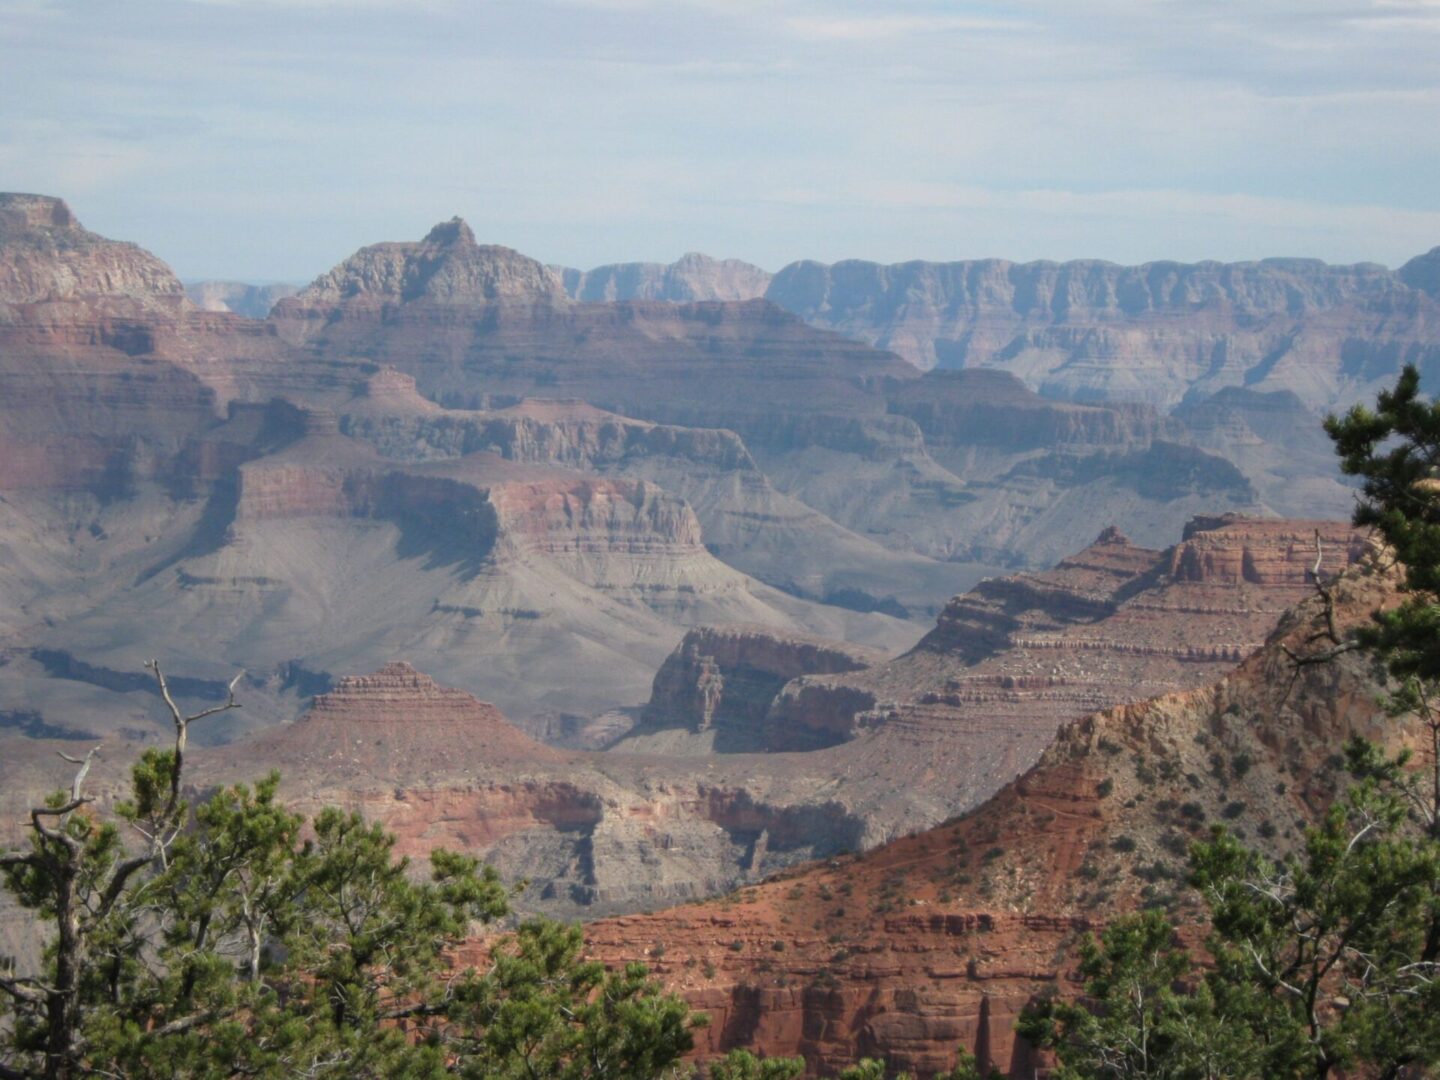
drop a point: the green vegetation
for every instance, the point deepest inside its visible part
(872, 1069)
(743, 1065)
(231, 941)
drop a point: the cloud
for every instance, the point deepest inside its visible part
(870, 28)
(597, 130)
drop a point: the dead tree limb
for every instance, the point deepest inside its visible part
(1338, 646)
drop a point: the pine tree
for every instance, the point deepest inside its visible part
(224, 945)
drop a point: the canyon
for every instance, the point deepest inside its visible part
(685, 463)
(650, 583)
(1163, 333)
(760, 749)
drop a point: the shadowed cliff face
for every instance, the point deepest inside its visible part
(940, 939)
(1158, 333)
(939, 466)
(726, 678)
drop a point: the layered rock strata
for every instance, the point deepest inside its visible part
(942, 938)
(691, 277)
(728, 676)
(1158, 333)
(1014, 657)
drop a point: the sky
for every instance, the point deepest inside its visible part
(265, 140)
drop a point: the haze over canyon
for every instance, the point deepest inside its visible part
(648, 582)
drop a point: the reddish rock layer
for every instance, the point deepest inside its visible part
(404, 702)
(940, 939)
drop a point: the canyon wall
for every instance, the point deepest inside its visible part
(940, 939)
(1158, 333)
(691, 277)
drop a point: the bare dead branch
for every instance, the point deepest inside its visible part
(1323, 657)
(1339, 646)
(37, 812)
(182, 730)
(84, 763)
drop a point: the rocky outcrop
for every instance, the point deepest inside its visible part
(692, 277)
(545, 513)
(1095, 331)
(1423, 272)
(393, 417)
(408, 704)
(1015, 657)
(251, 301)
(447, 267)
(942, 938)
(47, 256)
(742, 366)
(458, 316)
(583, 516)
(730, 675)
(590, 832)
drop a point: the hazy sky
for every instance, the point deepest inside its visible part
(267, 139)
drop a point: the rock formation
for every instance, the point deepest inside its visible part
(46, 256)
(940, 939)
(1158, 333)
(1423, 272)
(728, 676)
(692, 277)
(242, 487)
(1014, 657)
(447, 267)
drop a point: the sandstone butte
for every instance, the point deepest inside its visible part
(938, 940)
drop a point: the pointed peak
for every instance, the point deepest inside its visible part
(454, 231)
